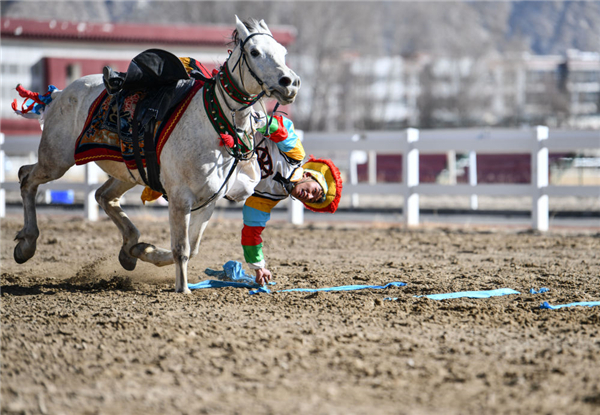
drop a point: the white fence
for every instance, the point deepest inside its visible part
(537, 142)
(27, 146)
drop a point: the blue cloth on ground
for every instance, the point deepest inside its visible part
(548, 306)
(221, 284)
(233, 275)
(540, 291)
(472, 294)
(232, 271)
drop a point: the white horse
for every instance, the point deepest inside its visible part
(193, 166)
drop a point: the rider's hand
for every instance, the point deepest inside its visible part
(273, 127)
(263, 276)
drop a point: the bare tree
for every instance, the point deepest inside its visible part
(333, 35)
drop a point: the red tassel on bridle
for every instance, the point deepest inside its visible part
(226, 140)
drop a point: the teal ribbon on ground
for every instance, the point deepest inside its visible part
(344, 288)
(466, 294)
(220, 284)
(473, 294)
(256, 289)
(549, 306)
(233, 275)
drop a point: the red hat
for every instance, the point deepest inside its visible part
(328, 176)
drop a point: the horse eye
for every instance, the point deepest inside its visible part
(254, 53)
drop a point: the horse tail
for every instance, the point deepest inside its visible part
(34, 104)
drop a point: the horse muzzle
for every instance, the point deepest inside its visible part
(287, 89)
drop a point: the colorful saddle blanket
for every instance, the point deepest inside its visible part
(99, 139)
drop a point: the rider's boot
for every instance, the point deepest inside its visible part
(113, 80)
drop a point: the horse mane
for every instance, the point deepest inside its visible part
(251, 24)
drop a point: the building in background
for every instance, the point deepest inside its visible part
(372, 93)
(555, 90)
(41, 53)
(426, 91)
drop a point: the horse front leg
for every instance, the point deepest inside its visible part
(161, 257)
(179, 220)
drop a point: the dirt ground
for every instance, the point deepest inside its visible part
(80, 335)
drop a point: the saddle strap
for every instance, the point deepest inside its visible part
(151, 159)
(152, 179)
(136, 146)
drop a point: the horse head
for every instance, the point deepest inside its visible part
(260, 60)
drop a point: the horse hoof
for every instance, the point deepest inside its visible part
(18, 255)
(185, 290)
(127, 261)
(140, 249)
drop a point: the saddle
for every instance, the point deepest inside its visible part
(165, 82)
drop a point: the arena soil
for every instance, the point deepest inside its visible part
(82, 336)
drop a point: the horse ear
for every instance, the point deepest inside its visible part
(242, 30)
(265, 27)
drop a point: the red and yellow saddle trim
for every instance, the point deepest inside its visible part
(108, 151)
(175, 117)
(106, 145)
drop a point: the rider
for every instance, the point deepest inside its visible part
(316, 183)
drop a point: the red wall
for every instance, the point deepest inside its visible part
(56, 69)
(491, 168)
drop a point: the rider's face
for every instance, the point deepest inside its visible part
(308, 190)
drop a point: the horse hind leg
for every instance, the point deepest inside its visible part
(198, 224)
(149, 253)
(30, 177)
(108, 197)
(162, 257)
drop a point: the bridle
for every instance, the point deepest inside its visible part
(225, 82)
(243, 58)
(228, 87)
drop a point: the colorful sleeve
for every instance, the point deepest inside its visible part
(286, 138)
(256, 213)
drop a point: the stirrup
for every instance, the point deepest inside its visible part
(113, 82)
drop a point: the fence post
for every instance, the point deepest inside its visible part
(295, 207)
(356, 157)
(473, 178)
(372, 155)
(90, 206)
(2, 191)
(295, 212)
(353, 173)
(539, 179)
(410, 173)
